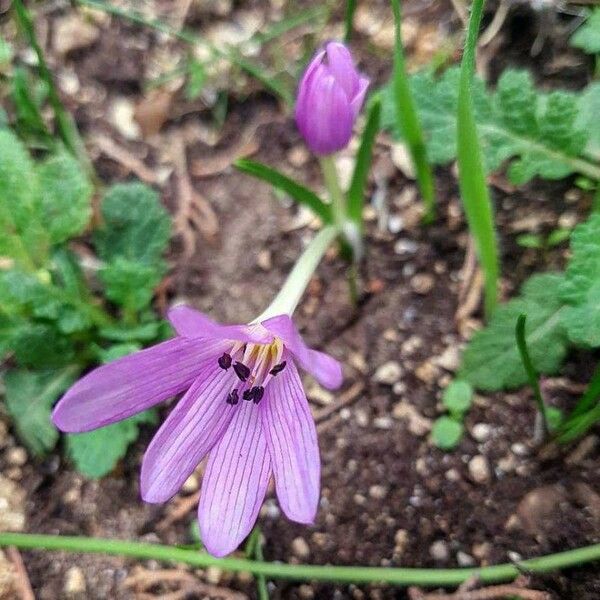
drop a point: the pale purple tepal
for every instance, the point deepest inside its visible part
(330, 96)
(244, 407)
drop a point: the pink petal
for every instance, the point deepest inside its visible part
(305, 85)
(133, 383)
(341, 66)
(292, 441)
(324, 368)
(190, 431)
(235, 482)
(191, 323)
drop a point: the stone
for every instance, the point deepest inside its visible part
(264, 260)
(481, 432)
(479, 469)
(427, 372)
(378, 492)
(417, 424)
(401, 540)
(74, 584)
(422, 283)
(298, 156)
(191, 484)
(449, 359)
(439, 551)
(300, 548)
(72, 32)
(16, 456)
(402, 160)
(464, 560)
(213, 575)
(12, 503)
(388, 373)
(519, 449)
(121, 114)
(405, 246)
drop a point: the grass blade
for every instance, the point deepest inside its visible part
(532, 375)
(408, 120)
(356, 193)
(282, 182)
(473, 187)
(349, 19)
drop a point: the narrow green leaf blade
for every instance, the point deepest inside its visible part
(356, 193)
(282, 182)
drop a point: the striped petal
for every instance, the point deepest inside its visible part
(235, 483)
(324, 368)
(133, 383)
(189, 432)
(292, 441)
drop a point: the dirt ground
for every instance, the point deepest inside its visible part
(389, 497)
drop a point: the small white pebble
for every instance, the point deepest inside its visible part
(479, 469)
(464, 559)
(389, 373)
(519, 449)
(439, 551)
(481, 432)
(300, 548)
(16, 456)
(378, 492)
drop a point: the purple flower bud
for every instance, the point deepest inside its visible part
(330, 96)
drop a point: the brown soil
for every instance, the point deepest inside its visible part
(389, 497)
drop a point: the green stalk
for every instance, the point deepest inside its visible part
(532, 375)
(336, 195)
(64, 123)
(349, 19)
(293, 288)
(408, 120)
(351, 574)
(473, 186)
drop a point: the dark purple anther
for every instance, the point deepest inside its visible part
(225, 361)
(259, 392)
(233, 397)
(278, 368)
(241, 370)
(248, 394)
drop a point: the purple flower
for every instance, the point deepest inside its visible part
(244, 407)
(330, 96)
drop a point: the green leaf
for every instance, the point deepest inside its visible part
(138, 333)
(21, 233)
(581, 288)
(97, 452)
(65, 197)
(29, 120)
(447, 433)
(196, 79)
(6, 52)
(491, 361)
(587, 37)
(30, 396)
(297, 192)
(130, 284)
(457, 397)
(587, 119)
(537, 134)
(136, 226)
(356, 193)
(40, 346)
(530, 240)
(557, 237)
(117, 351)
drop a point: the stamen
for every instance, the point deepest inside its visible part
(225, 361)
(248, 394)
(233, 397)
(278, 368)
(259, 392)
(241, 370)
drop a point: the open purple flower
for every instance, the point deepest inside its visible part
(244, 407)
(330, 96)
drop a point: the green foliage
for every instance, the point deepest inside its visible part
(65, 195)
(581, 288)
(196, 79)
(587, 37)
(538, 134)
(447, 433)
(491, 361)
(457, 398)
(131, 241)
(97, 452)
(29, 399)
(282, 182)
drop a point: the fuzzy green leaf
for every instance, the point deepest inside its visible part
(97, 452)
(581, 288)
(136, 226)
(21, 233)
(457, 397)
(537, 134)
(587, 37)
(491, 361)
(30, 396)
(65, 195)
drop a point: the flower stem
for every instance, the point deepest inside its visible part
(293, 288)
(349, 574)
(332, 182)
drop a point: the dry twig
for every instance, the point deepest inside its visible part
(346, 398)
(178, 509)
(21, 580)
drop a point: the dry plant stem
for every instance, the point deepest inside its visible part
(343, 400)
(180, 511)
(496, 592)
(25, 592)
(494, 27)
